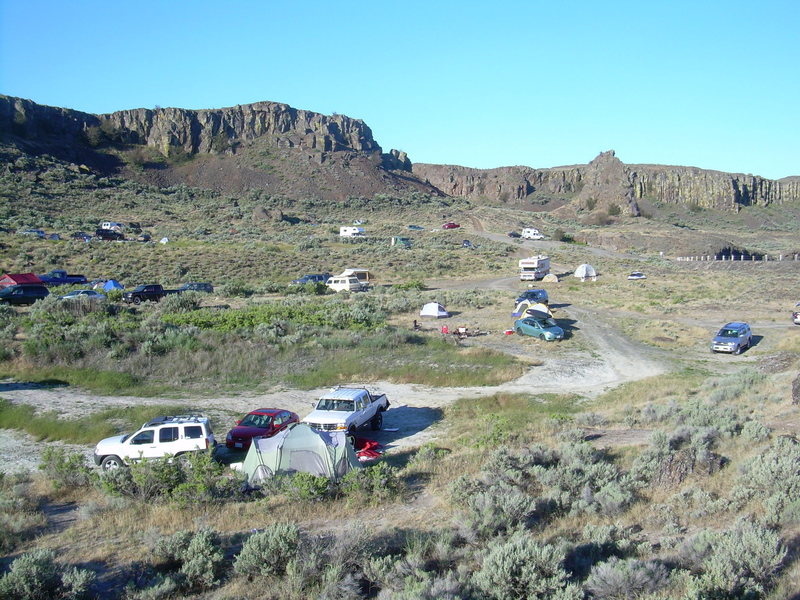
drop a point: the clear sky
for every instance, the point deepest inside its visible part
(712, 84)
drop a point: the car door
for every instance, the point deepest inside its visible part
(169, 441)
(142, 444)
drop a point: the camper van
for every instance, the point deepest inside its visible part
(363, 275)
(534, 268)
(349, 231)
(112, 226)
(531, 233)
(341, 283)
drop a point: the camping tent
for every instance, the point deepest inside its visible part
(112, 284)
(524, 306)
(585, 272)
(300, 448)
(550, 278)
(434, 309)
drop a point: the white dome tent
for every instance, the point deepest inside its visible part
(586, 271)
(434, 309)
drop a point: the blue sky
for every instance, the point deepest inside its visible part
(482, 84)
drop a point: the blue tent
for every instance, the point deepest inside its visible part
(112, 284)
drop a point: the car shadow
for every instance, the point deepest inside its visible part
(407, 420)
(562, 305)
(755, 340)
(569, 326)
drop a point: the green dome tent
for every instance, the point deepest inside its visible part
(300, 449)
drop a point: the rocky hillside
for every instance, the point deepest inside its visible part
(606, 181)
(266, 145)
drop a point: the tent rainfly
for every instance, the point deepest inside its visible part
(300, 449)
(434, 309)
(585, 272)
(112, 284)
(525, 305)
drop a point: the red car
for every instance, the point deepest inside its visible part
(263, 422)
(451, 225)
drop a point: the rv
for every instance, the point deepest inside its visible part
(534, 268)
(531, 233)
(112, 226)
(348, 231)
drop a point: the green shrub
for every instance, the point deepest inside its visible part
(65, 469)
(305, 486)
(267, 552)
(741, 562)
(36, 576)
(522, 568)
(372, 485)
(626, 579)
(197, 556)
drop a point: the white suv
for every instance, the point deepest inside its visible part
(163, 436)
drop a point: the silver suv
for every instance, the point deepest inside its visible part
(734, 337)
(158, 438)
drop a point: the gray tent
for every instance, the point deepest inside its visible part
(586, 271)
(300, 449)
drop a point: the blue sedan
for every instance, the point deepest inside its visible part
(544, 329)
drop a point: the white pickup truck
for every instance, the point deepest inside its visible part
(347, 409)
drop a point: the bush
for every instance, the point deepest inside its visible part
(197, 555)
(626, 579)
(36, 576)
(522, 568)
(740, 562)
(267, 552)
(65, 469)
(373, 484)
(305, 486)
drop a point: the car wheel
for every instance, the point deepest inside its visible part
(137, 300)
(377, 421)
(111, 462)
(738, 350)
(541, 336)
(519, 330)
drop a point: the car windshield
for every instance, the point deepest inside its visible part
(339, 405)
(256, 421)
(728, 332)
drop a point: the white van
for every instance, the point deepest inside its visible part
(531, 233)
(345, 284)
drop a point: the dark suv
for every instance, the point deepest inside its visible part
(23, 294)
(109, 235)
(312, 278)
(535, 295)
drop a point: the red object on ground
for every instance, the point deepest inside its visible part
(367, 449)
(445, 329)
(509, 332)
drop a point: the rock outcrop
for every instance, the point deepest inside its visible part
(607, 181)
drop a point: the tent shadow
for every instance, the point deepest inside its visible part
(569, 327)
(407, 419)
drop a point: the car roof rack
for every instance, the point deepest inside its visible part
(189, 418)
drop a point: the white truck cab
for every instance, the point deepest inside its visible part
(531, 233)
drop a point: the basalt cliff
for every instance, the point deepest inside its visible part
(296, 153)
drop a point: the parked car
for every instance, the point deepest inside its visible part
(535, 295)
(312, 278)
(152, 292)
(734, 337)
(514, 234)
(637, 275)
(346, 284)
(23, 294)
(196, 286)
(108, 235)
(84, 296)
(264, 422)
(61, 277)
(796, 317)
(415, 228)
(451, 225)
(34, 232)
(544, 329)
(159, 438)
(145, 237)
(467, 244)
(347, 409)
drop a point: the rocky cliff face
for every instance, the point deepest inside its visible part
(606, 181)
(195, 131)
